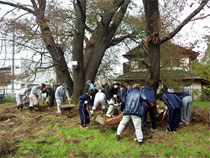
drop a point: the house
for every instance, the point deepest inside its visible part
(24, 77)
(176, 69)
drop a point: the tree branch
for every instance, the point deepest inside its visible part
(193, 14)
(18, 6)
(120, 39)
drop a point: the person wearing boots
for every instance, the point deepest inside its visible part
(59, 94)
(150, 95)
(84, 103)
(50, 95)
(112, 96)
(134, 109)
(22, 96)
(33, 97)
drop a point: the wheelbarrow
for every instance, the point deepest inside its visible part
(67, 108)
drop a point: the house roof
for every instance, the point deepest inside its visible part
(5, 68)
(181, 50)
(143, 75)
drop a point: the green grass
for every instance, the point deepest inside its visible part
(191, 141)
(205, 105)
(6, 104)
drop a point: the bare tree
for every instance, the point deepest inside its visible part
(153, 42)
(102, 35)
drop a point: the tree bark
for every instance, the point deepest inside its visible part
(55, 51)
(153, 41)
(102, 38)
(78, 40)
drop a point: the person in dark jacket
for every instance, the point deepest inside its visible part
(130, 88)
(134, 109)
(173, 104)
(50, 95)
(112, 97)
(150, 95)
(84, 103)
(123, 95)
(105, 86)
(186, 107)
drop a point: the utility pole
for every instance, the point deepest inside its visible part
(13, 62)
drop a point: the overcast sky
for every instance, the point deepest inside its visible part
(189, 34)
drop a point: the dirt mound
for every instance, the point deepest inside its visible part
(200, 115)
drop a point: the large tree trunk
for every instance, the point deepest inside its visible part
(102, 38)
(55, 51)
(78, 71)
(153, 41)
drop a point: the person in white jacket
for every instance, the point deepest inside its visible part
(59, 94)
(100, 98)
(34, 96)
(22, 96)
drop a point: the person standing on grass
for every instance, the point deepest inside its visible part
(134, 109)
(34, 96)
(84, 103)
(186, 107)
(173, 104)
(21, 96)
(59, 94)
(150, 94)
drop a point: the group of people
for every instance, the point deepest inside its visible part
(134, 102)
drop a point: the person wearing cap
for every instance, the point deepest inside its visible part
(134, 109)
(112, 97)
(50, 95)
(84, 103)
(90, 85)
(186, 107)
(22, 96)
(33, 97)
(59, 94)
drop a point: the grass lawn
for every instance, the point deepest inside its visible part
(189, 141)
(205, 105)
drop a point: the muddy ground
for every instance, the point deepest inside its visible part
(18, 124)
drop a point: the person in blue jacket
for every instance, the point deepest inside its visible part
(173, 104)
(134, 109)
(123, 95)
(186, 108)
(84, 103)
(150, 95)
(130, 88)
